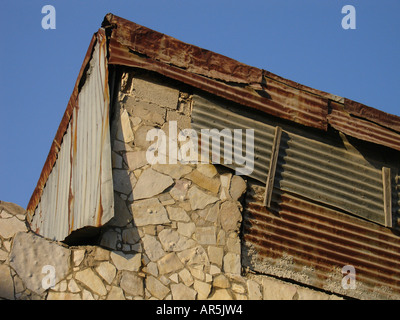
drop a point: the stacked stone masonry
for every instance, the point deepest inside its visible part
(175, 233)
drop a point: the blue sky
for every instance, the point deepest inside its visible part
(301, 40)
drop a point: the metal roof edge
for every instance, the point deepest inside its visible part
(137, 46)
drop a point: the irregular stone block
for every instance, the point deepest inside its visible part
(203, 289)
(129, 262)
(63, 296)
(175, 171)
(122, 215)
(215, 254)
(12, 208)
(210, 184)
(179, 191)
(109, 239)
(169, 263)
(160, 94)
(9, 227)
(151, 183)
(156, 288)
(148, 112)
(73, 286)
(115, 293)
(186, 277)
(182, 292)
(152, 248)
(107, 271)
(78, 256)
(208, 170)
(277, 290)
(199, 199)
(130, 235)
(149, 211)
(186, 229)
(221, 294)
(196, 255)
(173, 241)
(141, 134)
(230, 216)
(238, 187)
(91, 280)
(124, 130)
(221, 281)
(132, 284)
(30, 253)
(232, 263)
(254, 291)
(135, 159)
(206, 235)
(177, 214)
(123, 181)
(6, 283)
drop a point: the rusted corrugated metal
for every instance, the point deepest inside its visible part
(78, 192)
(374, 132)
(167, 50)
(308, 243)
(136, 46)
(213, 73)
(318, 167)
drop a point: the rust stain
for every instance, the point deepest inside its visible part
(136, 46)
(341, 119)
(323, 240)
(99, 213)
(52, 155)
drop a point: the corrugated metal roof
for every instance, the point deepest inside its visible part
(136, 46)
(300, 240)
(78, 190)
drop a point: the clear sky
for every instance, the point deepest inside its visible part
(301, 40)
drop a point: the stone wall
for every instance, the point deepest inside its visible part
(176, 230)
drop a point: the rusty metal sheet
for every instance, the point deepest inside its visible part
(78, 191)
(319, 167)
(299, 240)
(384, 119)
(273, 97)
(166, 49)
(136, 46)
(340, 119)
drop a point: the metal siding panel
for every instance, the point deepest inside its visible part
(72, 196)
(320, 172)
(305, 242)
(312, 166)
(209, 115)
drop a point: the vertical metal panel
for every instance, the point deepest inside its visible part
(79, 191)
(315, 166)
(308, 243)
